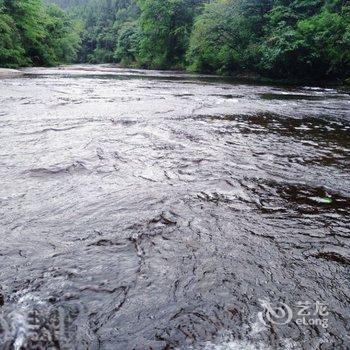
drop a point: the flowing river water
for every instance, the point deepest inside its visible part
(156, 210)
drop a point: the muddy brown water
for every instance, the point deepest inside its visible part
(154, 210)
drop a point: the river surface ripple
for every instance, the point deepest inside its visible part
(155, 210)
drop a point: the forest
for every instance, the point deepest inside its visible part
(282, 39)
(34, 34)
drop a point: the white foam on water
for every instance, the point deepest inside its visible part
(236, 345)
(20, 327)
(17, 318)
(286, 344)
(226, 341)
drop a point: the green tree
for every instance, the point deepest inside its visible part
(63, 36)
(102, 20)
(314, 46)
(29, 17)
(165, 28)
(128, 42)
(277, 38)
(31, 33)
(12, 53)
(224, 36)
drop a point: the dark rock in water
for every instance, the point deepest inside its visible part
(333, 256)
(2, 299)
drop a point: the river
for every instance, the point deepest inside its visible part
(159, 210)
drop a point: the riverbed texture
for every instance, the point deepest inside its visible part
(156, 210)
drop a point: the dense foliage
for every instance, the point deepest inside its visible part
(66, 3)
(34, 34)
(106, 23)
(165, 28)
(276, 38)
(282, 38)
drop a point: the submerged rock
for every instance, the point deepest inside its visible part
(322, 200)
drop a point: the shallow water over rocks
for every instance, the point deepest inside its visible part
(157, 210)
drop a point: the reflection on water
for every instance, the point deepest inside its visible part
(153, 210)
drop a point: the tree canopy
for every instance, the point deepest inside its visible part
(275, 38)
(34, 34)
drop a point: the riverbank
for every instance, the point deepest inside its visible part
(247, 77)
(252, 77)
(9, 73)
